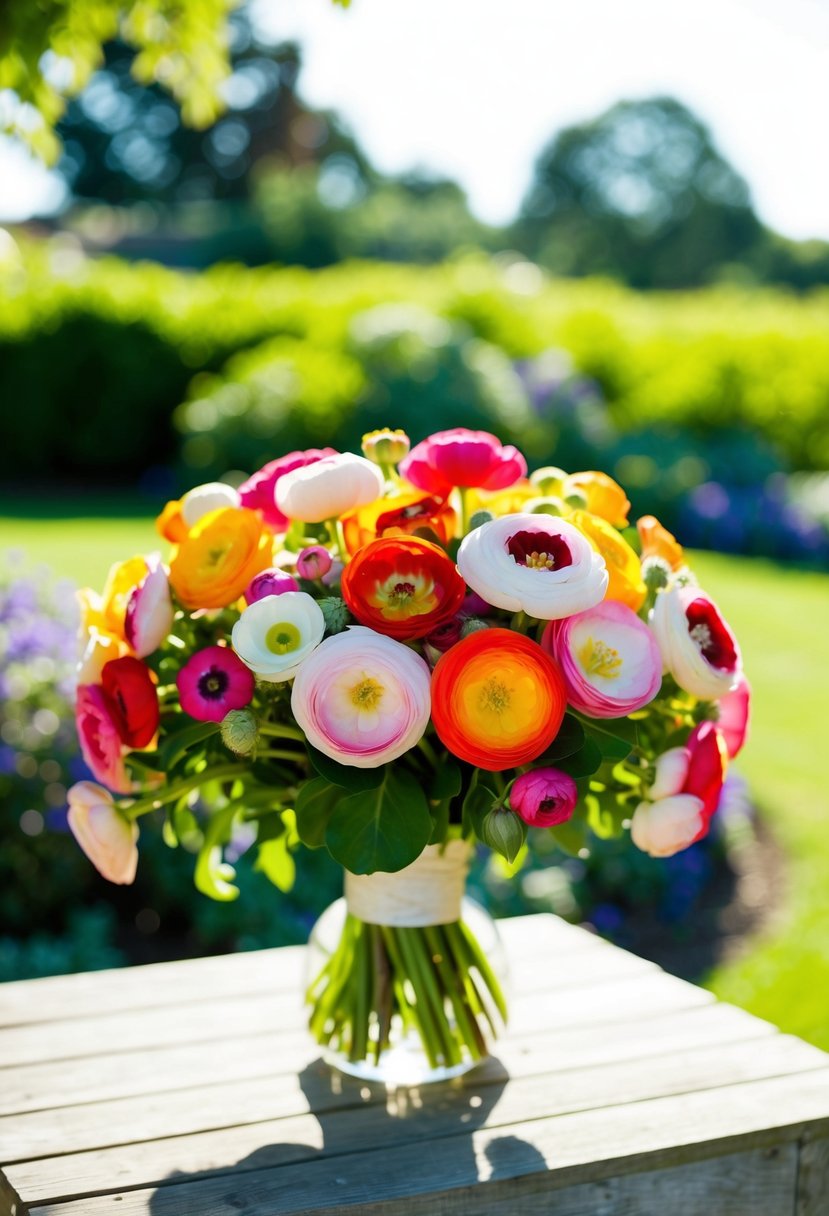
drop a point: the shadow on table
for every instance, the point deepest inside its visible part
(346, 1117)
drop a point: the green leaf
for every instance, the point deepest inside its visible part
(214, 876)
(446, 782)
(346, 775)
(567, 742)
(584, 762)
(277, 863)
(269, 827)
(571, 837)
(615, 737)
(314, 807)
(172, 749)
(381, 829)
(604, 815)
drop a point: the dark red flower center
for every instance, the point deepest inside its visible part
(711, 634)
(213, 684)
(546, 805)
(539, 550)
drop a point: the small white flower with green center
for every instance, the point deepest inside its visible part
(275, 635)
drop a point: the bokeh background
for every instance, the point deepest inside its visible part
(603, 235)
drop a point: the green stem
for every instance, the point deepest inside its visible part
(464, 497)
(454, 986)
(406, 965)
(279, 731)
(179, 788)
(428, 751)
(280, 753)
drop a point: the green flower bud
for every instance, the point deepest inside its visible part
(478, 518)
(239, 731)
(386, 446)
(548, 506)
(576, 500)
(549, 480)
(335, 613)
(656, 573)
(473, 625)
(504, 832)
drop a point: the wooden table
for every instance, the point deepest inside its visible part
(192, 1089)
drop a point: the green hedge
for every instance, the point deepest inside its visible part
(95, 356)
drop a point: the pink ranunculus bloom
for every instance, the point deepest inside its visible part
(544, 797)
(461, 457)
(100, 741)
(149, 615)
(212, 682)
(259, 491)
(313, 562)
(362, 698)
(106, 836)
(696, 643)
(270, 582)
(684, 796)
(735, 712)
(609, 659)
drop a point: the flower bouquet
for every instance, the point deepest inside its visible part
(399, 656)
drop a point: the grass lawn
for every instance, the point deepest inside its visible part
(780, 617)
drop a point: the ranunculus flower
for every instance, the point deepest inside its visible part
(269, 582)
(106, 612)
(133, 701)
(623, 567)
(106, 836)
(659, 542)
(201, 500)
(149, 614)
(100, 741)
(684, 795)
(697, 646)
(274, 636)
(735, 711)
(212, 682)
(605, 497)
(361, 698)
(498, 699)
(259, 491)
(217, 561)
(313, 562)
(100, 649)
(533, 563)
(609, 659)
(403, 515)
(544, 797)
(328, 488)
(385, 447)
(402, 587)
(460, 457)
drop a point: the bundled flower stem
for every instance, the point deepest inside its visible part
(432, 981)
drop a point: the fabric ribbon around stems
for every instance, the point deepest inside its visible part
(427, 892)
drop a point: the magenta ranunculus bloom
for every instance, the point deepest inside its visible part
(462, 458)
(99, 738)
(259, 491)
(314, 562)
(735, 711)
(212, 682)
(270, 582)
(544, 797)
(609, 659)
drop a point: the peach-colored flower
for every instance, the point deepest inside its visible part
(106, 836)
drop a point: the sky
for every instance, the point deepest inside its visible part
(473, 89)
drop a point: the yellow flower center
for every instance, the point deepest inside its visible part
(282, 638)
(599, 659)
(367, 694)
(540, 561)
(494, 696)
(403, 595)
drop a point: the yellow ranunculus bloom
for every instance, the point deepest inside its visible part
(212, 567)
(623, 567)
(605, 497)
(104, 613)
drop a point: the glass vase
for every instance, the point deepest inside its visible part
(406, 976)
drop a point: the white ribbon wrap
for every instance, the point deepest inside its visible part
(427, 892)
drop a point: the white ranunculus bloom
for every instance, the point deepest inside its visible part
(149, 615)
(697, 646)
(106, 836)
(328, 488)
(537, 564)
(671, 771)
(201, 500)
(666, 827)
(274, 635)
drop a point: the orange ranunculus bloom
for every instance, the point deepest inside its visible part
(402, 586)
(170, 523)
(399, 516)
(659, 542)
(623, 567)
(498, 699)
(222, 553)
(605, 497)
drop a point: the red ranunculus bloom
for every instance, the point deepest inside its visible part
(132, 699)
(402, 586)
(707, 764)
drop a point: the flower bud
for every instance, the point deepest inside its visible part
(446, 635)
(239, 731)
(313, 562)
(576, 500)
(386, 446)
(478, 518)
(547, 506)
(473, 625)
(504, 832)
(656, 573)
(269, 582)
(549, 479)
(544, 797)
(337, 616)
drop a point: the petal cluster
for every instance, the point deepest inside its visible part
(684, 795)
(328, 488)
(698, 648)
(402, 587)
(275, 635)
(107, 837)
(460, 457)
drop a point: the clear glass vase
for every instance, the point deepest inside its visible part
(406, 1004)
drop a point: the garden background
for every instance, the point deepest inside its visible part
(208, 296)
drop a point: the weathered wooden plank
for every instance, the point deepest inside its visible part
(207, 1021)
(57, 998)
(568, 1150)
(348, 1116)
(758, 1183)
(162, 1069)
(813, 1178)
